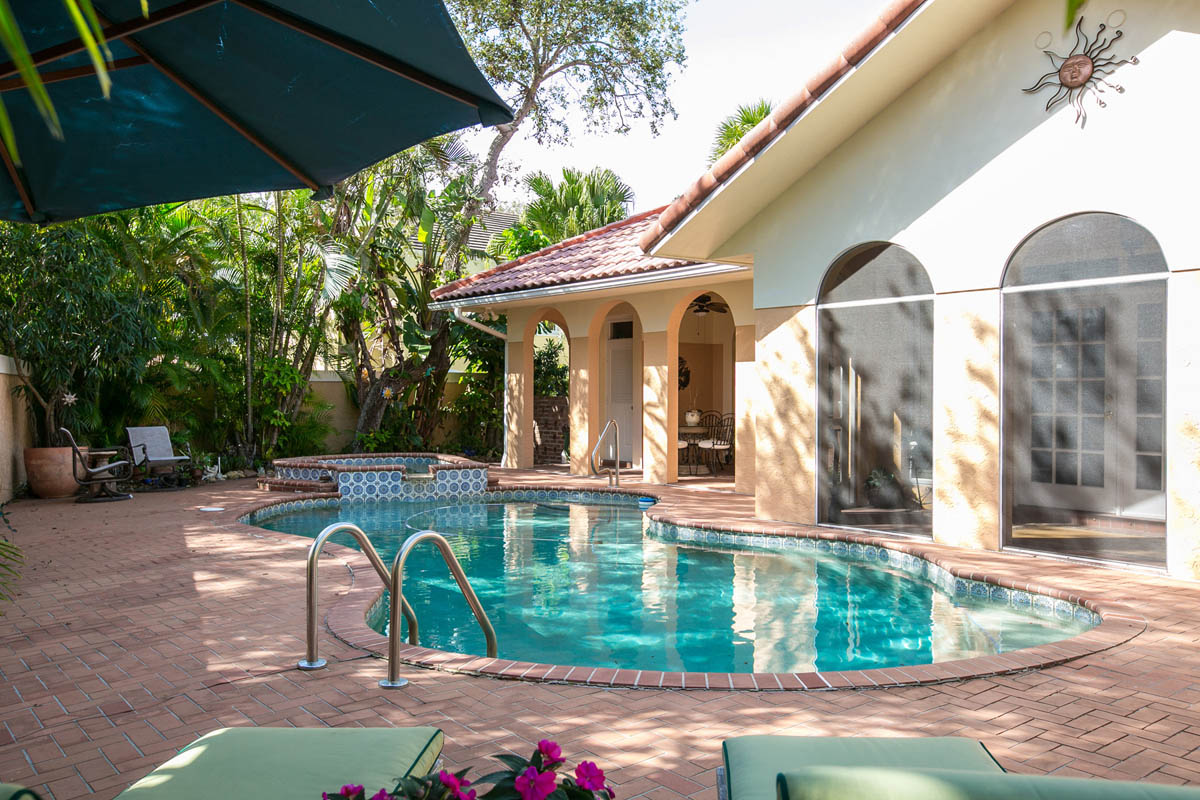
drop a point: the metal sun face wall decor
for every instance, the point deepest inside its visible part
(1083, 71)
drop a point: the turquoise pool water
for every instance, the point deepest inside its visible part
(567, 583)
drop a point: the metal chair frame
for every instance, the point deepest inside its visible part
(102, 476)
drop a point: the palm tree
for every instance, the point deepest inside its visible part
(731, 129)
(581, 202)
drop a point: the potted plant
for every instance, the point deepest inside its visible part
(883, 490)
(70, 318)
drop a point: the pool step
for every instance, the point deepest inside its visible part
(293, 485)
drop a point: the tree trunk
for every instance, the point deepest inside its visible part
(249, 444)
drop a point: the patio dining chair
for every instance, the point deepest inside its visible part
(154, 455)
(719, 447)
(100, 479)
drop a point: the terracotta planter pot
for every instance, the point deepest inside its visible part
(49, 471)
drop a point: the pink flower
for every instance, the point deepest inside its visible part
(550, 751)
(591, 777)
(382, 794)
(456, 785)
(350, 790)
(534, 785)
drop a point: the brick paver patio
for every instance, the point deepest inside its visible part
(142, 625)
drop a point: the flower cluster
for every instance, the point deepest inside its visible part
(533, 778)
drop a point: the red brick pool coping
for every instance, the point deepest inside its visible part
(347, 619)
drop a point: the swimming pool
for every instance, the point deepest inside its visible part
(594, 583)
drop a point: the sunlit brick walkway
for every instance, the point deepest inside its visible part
(142, 625)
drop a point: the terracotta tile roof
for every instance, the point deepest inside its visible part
(601, 253)
(765, 132)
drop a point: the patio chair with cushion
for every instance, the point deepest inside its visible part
(153, 453)
(719, 446)
(938, 768)
(101, 479)
(290, 762)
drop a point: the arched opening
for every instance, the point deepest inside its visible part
(548, 388)
(705, 448)
(875, 392)
(616, 385)
(1083, 378)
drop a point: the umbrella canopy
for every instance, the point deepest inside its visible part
(214, 97)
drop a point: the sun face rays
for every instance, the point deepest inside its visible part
(1082, 71)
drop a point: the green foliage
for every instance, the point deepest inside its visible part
(517, 241)
(73, 320)
(610, 59)
(479, 409)
(551, 378)
(11, 559)
(580, 202)
(1073, 9)
(731, 129)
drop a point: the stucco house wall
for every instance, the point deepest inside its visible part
(959, 170)
(15, 433)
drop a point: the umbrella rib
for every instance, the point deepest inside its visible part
(225, 116)
(359, 50)
(18, 180)
(118, 31)
(87, 71)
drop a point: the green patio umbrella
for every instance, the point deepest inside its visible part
(214, 97)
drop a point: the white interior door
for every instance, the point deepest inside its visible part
(620, 395)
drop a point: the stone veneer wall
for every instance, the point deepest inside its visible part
(552, 416)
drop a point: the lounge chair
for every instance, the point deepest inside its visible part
(290, 763)
(99, 480)
(945, 768)
(152, 452)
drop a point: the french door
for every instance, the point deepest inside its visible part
(1085, 415)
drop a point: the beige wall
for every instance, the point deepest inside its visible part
(1183, 424)
(657, 314)
(15, 432)
(785, 414)
(966, 419)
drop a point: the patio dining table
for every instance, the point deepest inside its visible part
(692, 434)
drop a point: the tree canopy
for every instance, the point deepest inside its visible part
(731, 129)
(578, 203)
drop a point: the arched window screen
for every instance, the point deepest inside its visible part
(1084, 378)
(879, 270)
(876, 392)
(1087, 246)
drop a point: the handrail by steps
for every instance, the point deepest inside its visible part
(614, 474)
(393, 680)
(311, 661)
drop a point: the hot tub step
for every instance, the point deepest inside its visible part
(293, 485)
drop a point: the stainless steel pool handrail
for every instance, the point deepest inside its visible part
(394, 681)
(311, 660)
(614, 474)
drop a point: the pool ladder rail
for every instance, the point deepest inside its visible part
(393, 581)
(613, 473)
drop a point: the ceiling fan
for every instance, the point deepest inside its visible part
(704, 304)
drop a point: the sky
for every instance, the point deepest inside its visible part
(737, 51)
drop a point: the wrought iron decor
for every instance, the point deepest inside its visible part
(1083, 70)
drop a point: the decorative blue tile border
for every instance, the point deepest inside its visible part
(914, 566)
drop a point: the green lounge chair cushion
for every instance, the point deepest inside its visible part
(289, 762)
(10, 791)
(752, 762)
(882, 783)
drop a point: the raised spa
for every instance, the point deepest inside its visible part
(596, 583)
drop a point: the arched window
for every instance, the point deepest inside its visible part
(875, 313)
(1083, 378)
